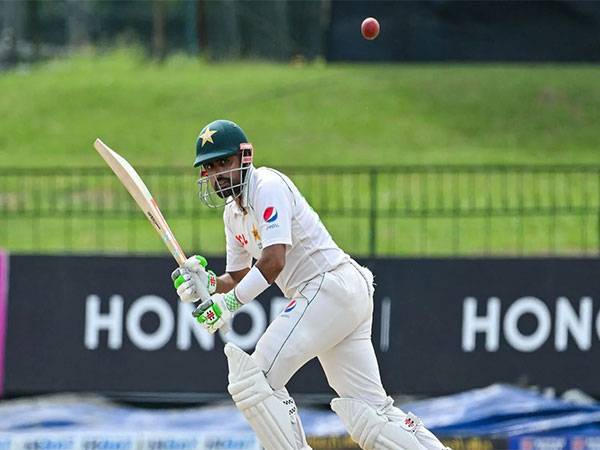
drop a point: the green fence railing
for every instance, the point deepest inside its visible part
(385, 211)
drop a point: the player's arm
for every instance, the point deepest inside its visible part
(229, 280)
(264, 272)
(271, 262)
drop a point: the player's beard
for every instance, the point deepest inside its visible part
(223, 188)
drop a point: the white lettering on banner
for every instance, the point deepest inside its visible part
(187, 325)
(384, 335)
(166, 322)
(112, 322)
(488, 324)
(569, 321)
(598, 325)
(116, 317)
(518, 340)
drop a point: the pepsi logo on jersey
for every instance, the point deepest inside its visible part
(291, 305)
(270, 214)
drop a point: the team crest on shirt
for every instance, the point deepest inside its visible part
(256, 236)
(270, 214)
(255, 233)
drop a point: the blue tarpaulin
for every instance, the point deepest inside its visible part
(505, 411)
(495, 411)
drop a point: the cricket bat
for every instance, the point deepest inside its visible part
(140, 193)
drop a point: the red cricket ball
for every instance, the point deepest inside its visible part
(370, 28)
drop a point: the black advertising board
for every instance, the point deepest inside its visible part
(459, 324)
(114, 325)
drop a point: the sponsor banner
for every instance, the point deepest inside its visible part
(558, 442)
(96, 440)
(169, 440)
(107, 441)
(198, 441)
(465, 323)
(3, 312)
(231, 441)
(114, 325)
(44, 441)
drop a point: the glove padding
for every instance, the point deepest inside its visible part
(217, 312)
(193, 282)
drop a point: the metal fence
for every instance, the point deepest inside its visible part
(385, 211)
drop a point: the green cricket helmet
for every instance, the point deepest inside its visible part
(222, 139)
(219, 139)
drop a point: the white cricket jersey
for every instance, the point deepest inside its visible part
(277, 213)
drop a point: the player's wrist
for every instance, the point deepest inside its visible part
(251, 286)
(231, 301)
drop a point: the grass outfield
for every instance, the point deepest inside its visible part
(306, 114)
(315, 115)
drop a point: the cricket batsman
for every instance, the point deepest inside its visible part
(329, 315)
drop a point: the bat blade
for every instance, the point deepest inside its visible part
(141, 194)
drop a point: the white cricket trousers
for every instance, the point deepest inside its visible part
(331, 320)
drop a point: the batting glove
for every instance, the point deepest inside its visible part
(217, 312)
(192, 281)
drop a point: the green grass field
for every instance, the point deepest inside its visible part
(307, 115)
(299, 114)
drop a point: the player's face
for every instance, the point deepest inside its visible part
(225, 175)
